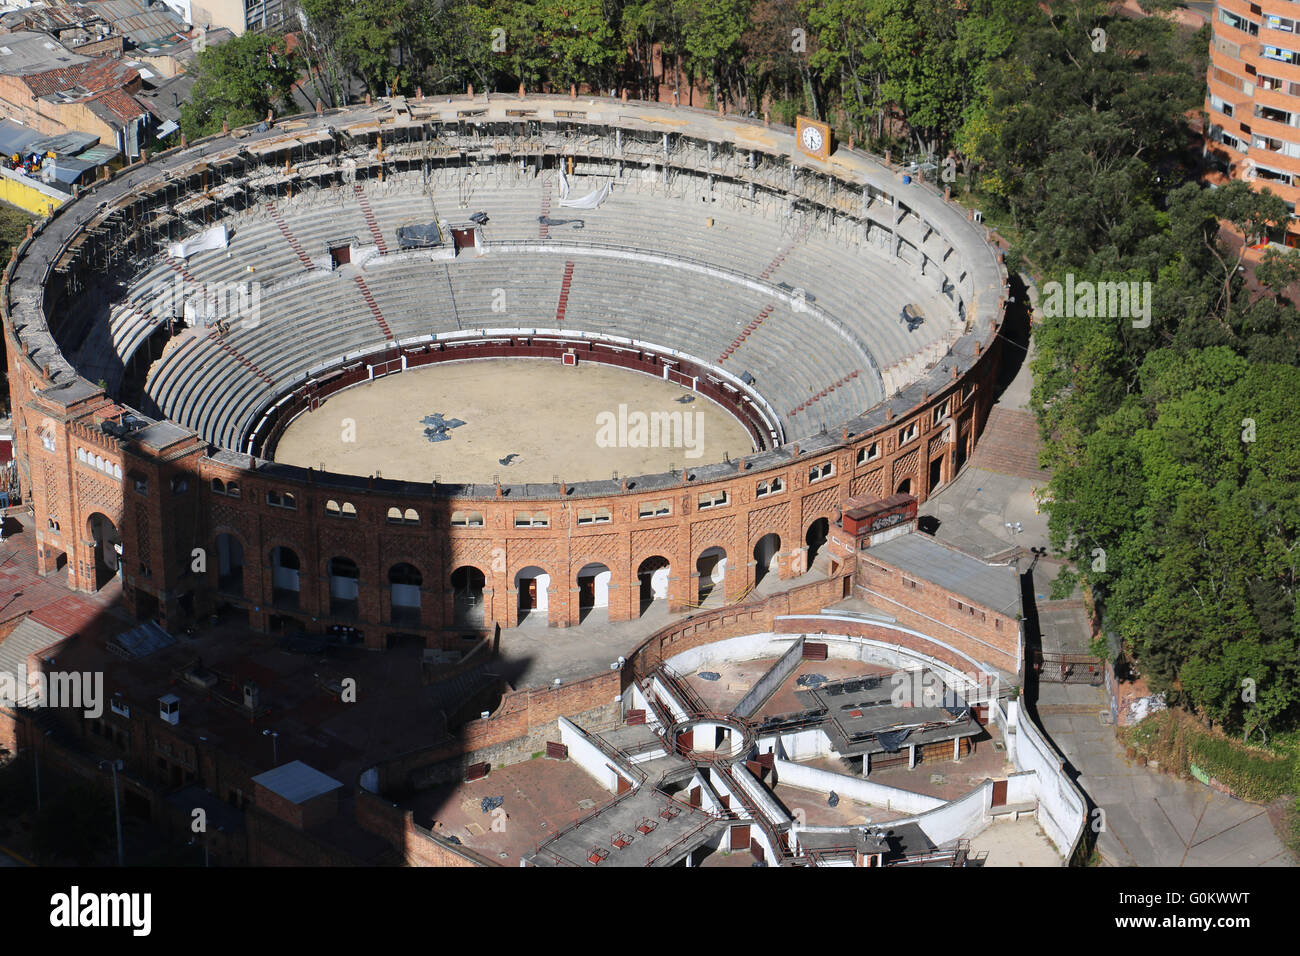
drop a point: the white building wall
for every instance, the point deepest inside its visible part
(855, 788)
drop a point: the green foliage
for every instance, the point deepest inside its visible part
(1250, 774)
(238, 82)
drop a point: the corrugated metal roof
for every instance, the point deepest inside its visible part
(25, 639)
(15, 138)
(99, 155)
(297, 782)
(141, 641)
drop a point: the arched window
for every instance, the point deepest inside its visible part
(218, 486)
(332, 508)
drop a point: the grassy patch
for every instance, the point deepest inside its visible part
(1258, 774)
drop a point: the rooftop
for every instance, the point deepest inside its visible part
(994, 586)
(28, 52)
(297, 782)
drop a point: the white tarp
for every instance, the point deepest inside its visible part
(589, 201)
(214, 238)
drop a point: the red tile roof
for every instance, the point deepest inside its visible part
(96, 76)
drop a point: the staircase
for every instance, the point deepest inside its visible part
(373, 306)
(238, 356)
(371, 223)
(290, 238)
(739, 340)
(564, 293)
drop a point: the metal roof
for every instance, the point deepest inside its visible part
(23, 641)
(995, 586)
(297, 782)
(27, 52)
(15, 138)
(142, 641)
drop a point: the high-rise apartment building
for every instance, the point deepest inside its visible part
(1253, 100)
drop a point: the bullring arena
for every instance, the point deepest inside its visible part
(379, 369)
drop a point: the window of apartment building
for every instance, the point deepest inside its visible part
(1280, 54)
(1227, 48)
(712, 499)
(825, 469)
(1272, 175)
(1218, 135)
(1272, 114)
(1235, 82)
(1238, 22)
(869, 453)
(771, 486)
(654, 509)
(1273, 22)
(1269, 84)
(1220, 104)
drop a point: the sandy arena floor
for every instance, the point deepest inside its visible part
(546, 415)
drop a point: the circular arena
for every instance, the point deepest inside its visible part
(431, 366)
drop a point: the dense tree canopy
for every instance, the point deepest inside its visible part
(238, 82)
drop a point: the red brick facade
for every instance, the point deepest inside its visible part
(172, 503)
(169, 514)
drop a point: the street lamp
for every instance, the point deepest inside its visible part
(275, 748)
(116, 765)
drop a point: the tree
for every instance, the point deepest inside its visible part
(238, 82)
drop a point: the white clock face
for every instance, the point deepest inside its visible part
(812, 139)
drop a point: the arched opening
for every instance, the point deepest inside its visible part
(467, 585)
(765, 552)
(404, 582)
(711, 568)
(816, 539)
(532, 583)
(284, 578)
(108, 548)
(593, 590)
(652, 578)
(345, 585)
(230, 564)
(904, 487)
